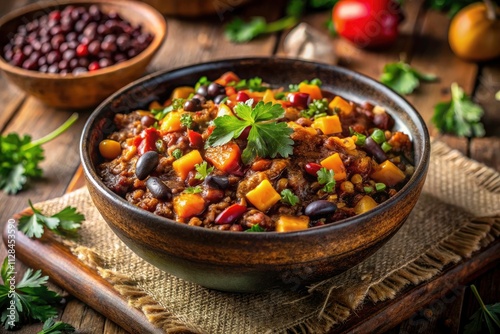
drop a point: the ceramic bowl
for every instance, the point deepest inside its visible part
(88, 89)
(254, 261)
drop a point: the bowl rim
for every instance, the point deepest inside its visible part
(419, 173)
(158, 38)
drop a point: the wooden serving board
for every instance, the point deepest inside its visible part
(69, 273)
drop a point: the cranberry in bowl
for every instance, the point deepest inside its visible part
(155, 201)
(74, 54)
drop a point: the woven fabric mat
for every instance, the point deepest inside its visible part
(458, 213)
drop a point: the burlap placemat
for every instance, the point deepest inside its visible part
(458, 213)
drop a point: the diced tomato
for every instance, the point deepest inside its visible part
(230, 91)
(227, 78)
(195, 139)
(146, 141)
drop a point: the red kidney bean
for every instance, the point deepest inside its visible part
(230, 214)
(299, 100)
(242, 97)
(312, 168)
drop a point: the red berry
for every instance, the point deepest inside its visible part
(242, 97)
(82, 50)
(94, 66)
(312, 168)
(299, 100)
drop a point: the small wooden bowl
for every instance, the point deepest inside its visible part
(87, 89)
(233, 261)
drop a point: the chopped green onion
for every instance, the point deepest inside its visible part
(379, 136)
(316, 82)
(386, 147)
(323, 114)
(160, 145)
(380, 186)
(368, 189)
(360, 138)
(279, 96)
(177, 153)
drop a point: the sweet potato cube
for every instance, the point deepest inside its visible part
(171, 122)
(182, 92)
(388, 173)
(341, 104)
(313, 91)
(334, 162)
(263, 196)
(186, 163)
(366, 203)
(287, 223)
(268, 96)
(188, 205)
(328, 124)
(225, 157)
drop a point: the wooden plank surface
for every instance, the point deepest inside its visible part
(423, 41)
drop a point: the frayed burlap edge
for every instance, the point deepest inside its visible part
(472, 236)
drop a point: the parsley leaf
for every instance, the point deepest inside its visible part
(487, 314)
(193, 190)
(160, 114)
(202, 170)
(459, 116)
(266, 138)
(316, 108)
(255, 228)
(67, 220)
(32, 300)
(326, 178)
(50, 326)
(177, 153)
(19, 157)
(403, 78)
(186, 120)
(288, 197)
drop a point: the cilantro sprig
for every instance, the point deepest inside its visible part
(187, 120)
(66, 221)
(488, 315)
(202, 170)
(50, 326)
(32, 300)
(267, 138)
(160, 114)
(326, 178)
(193, 190)
(403, 78)
(288, 197)
(459, 116)
(255, 228)
(19, 157)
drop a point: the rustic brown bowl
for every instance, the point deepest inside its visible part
(195, 8)
(88, 89)
(253, 261)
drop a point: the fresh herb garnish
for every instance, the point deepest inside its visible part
(380, 186)
(295, 87)
(459, 116)
(378, 136)
(253, 84)
(68, 220)
(368, 189)
(288, 197)
(202, 170)
(266, 139)
(403, 78)
(360, 138)
(203, 81)
(160, 114)
(487, 314)
(32, 299)
(186, 120)
(193, 190)
(326, 178)
(316, 108)
(386, 147)
(255, 228)
(19, 157)
(50, 326)
(177, 153)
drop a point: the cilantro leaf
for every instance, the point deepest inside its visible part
(202, 170)
(459, 116)
(266, 138)
(19, 157)
(288, 197)
(160, 114)
(186, 120)
(50, 326)
(193, 190)
(239, 31)
(403, 78)
(326, 178)
(32, 300)
(255, 228)
(67, 220)
(487, 314)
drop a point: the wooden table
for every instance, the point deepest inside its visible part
(423, 44)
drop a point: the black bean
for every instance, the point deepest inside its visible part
(202, 90)
(146, 164)
(192, 105)
(218, 99)
(217, 181)
(374, 149)
(215, 89)
(158, 189)
(200, 97)
(147, 120)
(320, 209)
